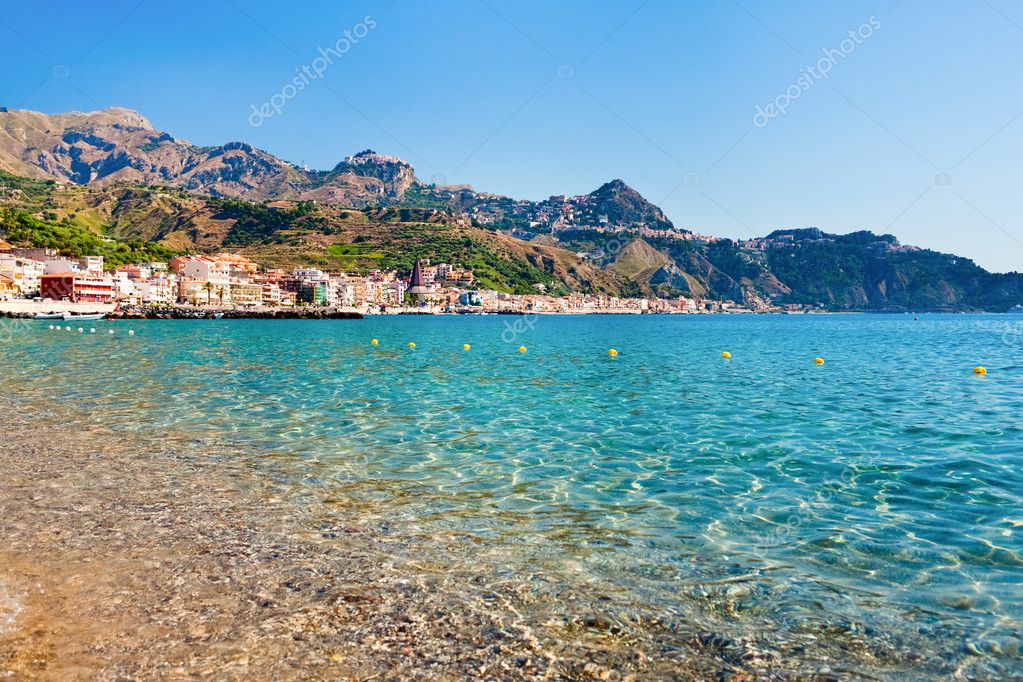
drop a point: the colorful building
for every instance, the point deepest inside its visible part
(77, 287)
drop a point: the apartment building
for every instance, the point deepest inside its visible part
(77, 287)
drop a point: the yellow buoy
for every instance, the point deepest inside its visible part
(522, 349)
(613, 353)
(411, 345)
(726, 354)
(374, 342)
(818, 361)
(979, 370)
(466, 346)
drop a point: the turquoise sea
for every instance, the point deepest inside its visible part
(880, 494)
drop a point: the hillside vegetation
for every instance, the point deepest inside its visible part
(134, 224)
(857, 271)
(107, 182)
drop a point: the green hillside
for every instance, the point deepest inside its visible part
(807, 267)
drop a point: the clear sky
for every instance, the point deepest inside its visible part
(916, 128)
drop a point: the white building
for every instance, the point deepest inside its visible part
(271, 294)
(202, 269)
(311, 274)
(91, 264)
(24, 273)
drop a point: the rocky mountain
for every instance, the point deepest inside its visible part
(108, 182)
(613, 206)
(120, 146)
(615, 203)
(363, 179)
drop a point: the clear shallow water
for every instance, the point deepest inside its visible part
(882, 492)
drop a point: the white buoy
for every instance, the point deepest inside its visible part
(80, 330)
(131, 332)
(92, 331)
(51, 326)
(110, 331)
(67, 329)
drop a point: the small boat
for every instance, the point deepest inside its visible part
(50, 316)
(217, 316)
(95, 316)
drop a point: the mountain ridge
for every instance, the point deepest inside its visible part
(114, 176)
(120, 145)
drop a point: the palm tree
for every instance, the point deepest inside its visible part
(220, 294)
(208, 288)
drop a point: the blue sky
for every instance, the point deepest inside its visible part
(916, 129)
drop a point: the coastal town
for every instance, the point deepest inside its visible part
(227, 281)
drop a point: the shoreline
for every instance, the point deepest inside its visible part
(166, 565)
(25, 309)
(259, 506)
(334, 314)
(167, 560)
